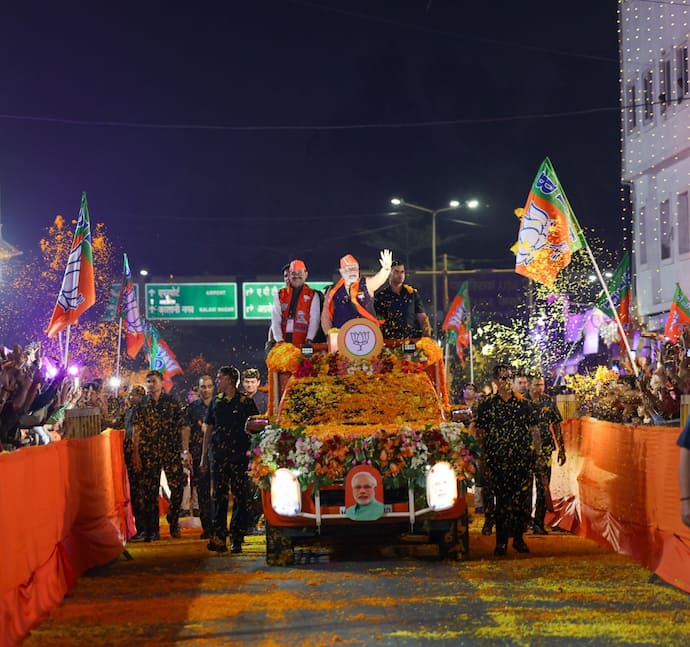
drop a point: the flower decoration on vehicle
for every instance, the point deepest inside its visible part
(355, 399)
(428, 351)
(283, 357)
(401, 454)
(287, 357)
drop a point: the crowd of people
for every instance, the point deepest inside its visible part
(195, 443)
(302, 316)
(202, 442)
(34, 403)
(207, 439)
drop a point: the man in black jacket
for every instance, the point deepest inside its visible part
(224, 433)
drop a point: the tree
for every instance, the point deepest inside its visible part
(30, 289)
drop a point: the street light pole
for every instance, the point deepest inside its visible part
(452, 205)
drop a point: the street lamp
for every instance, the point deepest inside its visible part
(452, 205)
(142, 297)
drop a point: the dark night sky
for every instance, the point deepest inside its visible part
(243, 200)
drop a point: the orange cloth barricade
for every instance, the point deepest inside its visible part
(64, 510)
(619, 487)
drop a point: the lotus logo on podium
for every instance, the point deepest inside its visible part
(360, 339)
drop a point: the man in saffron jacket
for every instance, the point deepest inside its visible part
(295, 316)
(352, 295)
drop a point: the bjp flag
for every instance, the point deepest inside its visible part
(678, 316)
(78, 291)
(549, 232)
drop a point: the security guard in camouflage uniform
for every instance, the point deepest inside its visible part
(156, 446)
(224, 433)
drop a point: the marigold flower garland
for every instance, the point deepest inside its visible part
(355, 399)
(283, 357)
(401, 455)
(331, 405)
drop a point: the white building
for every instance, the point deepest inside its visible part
(655, 95)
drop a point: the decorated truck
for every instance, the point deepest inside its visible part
(359, 444)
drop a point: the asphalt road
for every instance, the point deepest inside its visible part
(567, 591)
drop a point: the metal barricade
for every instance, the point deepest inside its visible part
(567, 405)
(82, 423)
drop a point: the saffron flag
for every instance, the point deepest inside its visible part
(160, 357)
(549, 232)
(619, 288)
(457, 321)
(128, 309)
(78, 291)
(678, 316)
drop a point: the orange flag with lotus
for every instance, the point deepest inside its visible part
(549, 232)
(678, 316)
(78, 290)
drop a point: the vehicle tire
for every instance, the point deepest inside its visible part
(280, 550)
(454, 542)
(464, 534)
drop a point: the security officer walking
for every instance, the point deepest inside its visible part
(224, 433)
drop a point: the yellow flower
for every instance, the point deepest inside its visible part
(431, 349)
(284, 357)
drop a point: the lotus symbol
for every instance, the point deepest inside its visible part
(360, 338)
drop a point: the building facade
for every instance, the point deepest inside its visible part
(655, 98)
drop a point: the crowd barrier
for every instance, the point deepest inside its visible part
(83, 422)
(619, 487)
(65, 509)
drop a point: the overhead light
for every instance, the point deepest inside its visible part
(472, 204)
(396, 201)
(286, 494)
(441, 487)
(454, 203)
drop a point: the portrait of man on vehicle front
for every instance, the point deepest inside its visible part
(363, 487)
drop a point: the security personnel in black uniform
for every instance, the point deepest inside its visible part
(224, 433)
(399, 305)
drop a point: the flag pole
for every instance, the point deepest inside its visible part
(66, 356)
(469, 330)
(561, 371)
(119, 347)
(621, 331)
(118, 314)
(574, 222)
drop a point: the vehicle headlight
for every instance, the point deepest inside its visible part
(286, 495)
(441, 487)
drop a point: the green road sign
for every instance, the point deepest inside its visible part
(257, 298)
(191, 301)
